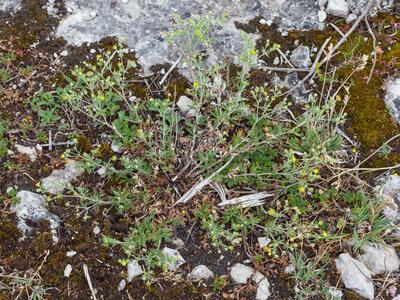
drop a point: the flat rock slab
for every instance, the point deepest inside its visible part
(59, 179)
(8, 5)
(355, 275)
(33, 207)
(241, 274)
(380, 259)
(140, 22)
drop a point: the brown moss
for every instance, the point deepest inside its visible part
(105, 152)
(9, 234)
(83, 144)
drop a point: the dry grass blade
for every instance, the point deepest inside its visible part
(251, 200)
(199, 186)
(89, 281)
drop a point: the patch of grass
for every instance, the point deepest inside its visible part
(144, 241)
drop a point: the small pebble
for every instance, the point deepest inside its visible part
(71, 253)
(67, 270)
(121, 285)
(96, 230)
(64, 53)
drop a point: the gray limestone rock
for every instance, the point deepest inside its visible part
(241, 274)
(59, 179)
(380, 259)
(300, 57)
(201, 272)
(392, 98)
(355, 275)
(338, 8)
(33, 207)
(8, 5)
(134, 270)
(174, 259)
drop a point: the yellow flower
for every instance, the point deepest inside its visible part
(253, 52)
(316, 171)
(113, 158)
(354, 150)
(38, 184)
(302, 189)
(62, 156)
(291, 239)
(272, 212)
(321, 222)
(294, 159)
(102, 98)
(395, 174)
(325, 234)
(196, 84)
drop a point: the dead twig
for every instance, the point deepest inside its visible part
(374, 47)
(200, 185)
(170, 70)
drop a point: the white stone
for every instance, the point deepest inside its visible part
(115, 148)
(338, 8)
(28, 151)
(185, 104)
(64, 53)
(276, 61)
(96, 230)
(290, 269)
(121, 285)
(59, 179)
(355, 275)
(263, 21)
(178, 243)
(134, 270)
(322, 15)
(380, 259)
(101, 171)
(389, 193)
(174, 259)
(351, 18)
(322, 3)
(201, 272)
(71, 253)
(335, 293)
(33, 207)
(392, 98)
(300, 57)
(263, 241)
(67, 270)
(396, 298)
(241, 274)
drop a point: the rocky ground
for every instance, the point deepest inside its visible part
(199, 149)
